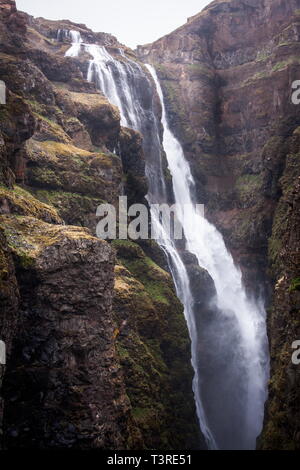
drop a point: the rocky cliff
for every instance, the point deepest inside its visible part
(98, 350)
(227, 79)
(98, 353)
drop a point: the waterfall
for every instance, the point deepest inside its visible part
(242, 337)
(229, 349)
(107, 72)
(76, 40)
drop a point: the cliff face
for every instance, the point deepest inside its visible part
(98, 350)
(63, 364)
(83, 369)
(227, 79)
(281, 429)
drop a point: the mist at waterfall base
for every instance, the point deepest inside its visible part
(229, 341)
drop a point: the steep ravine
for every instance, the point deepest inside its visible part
(98, 348)
(238, 368)
(98, 352)
(227, 80)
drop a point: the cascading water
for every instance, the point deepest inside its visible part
(76, 40)
(229, 349)
(237, 334)
(126, 85)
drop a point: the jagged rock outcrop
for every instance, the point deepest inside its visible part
(72, 377)
(151, 346)
(63, 366)
(227, 79)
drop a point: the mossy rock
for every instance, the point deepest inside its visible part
(295, 284)
(73, 208)
(59, 166)
(46, 130)
(4, 264)
(286, 184)
(248, 188)
(24, 79)
(128, 250)
(21, 202)
(97, 114)
(154, 350)
(28, 237)
(90, 100)
(156, 281)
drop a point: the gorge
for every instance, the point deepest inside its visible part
(101, 352)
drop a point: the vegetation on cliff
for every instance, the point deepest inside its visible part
(96, 359)
(98, 348)
(152, 341)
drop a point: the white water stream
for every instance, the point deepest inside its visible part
(231, 371)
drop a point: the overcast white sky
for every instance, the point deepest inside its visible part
(132, 21)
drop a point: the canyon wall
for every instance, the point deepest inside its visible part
(98, 352)
(227, 78)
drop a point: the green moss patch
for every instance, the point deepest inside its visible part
(64, 167)
(156, 281)
(248, 188)
(154, 349)
(295, 284)
(21, 202)
(27, 237)
(74, 208)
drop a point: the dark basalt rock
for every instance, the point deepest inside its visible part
(132, 154)
(9, 313)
